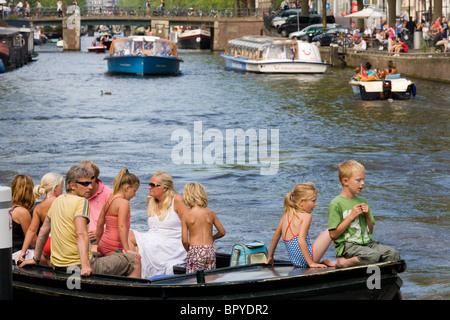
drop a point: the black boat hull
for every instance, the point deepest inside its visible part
(284, 282)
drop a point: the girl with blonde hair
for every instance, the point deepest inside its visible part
(294, 230)
(161, 247)
(50, 188)
(113, 223)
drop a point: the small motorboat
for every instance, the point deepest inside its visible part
(242, 282)
(144, 55)
(97, 48)
(390, 88)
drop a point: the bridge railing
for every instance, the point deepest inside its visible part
(142, 11)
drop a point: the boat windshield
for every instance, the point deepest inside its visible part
(150, 46)
(263, 50)
(284, 50)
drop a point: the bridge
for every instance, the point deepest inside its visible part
(225, 24)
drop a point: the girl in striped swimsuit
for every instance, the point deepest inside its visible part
(294, 226)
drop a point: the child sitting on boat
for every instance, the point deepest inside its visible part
(113, 223)
(294, 226)
(196, 229)
(350, 222)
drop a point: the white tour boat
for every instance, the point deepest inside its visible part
(265, 54)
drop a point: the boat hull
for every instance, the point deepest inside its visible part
(144, 65)
(259, 281)
(268, 66)
(195, 39)
(400, 89)
(97, 49)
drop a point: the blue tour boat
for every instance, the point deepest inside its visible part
(144, 55)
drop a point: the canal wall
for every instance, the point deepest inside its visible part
(228, 30)
(431, 66)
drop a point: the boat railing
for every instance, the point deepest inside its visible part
(139, 11)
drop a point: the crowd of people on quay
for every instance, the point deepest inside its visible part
(399, 37)
(89, 226)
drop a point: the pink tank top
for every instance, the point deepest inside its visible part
(110, 240)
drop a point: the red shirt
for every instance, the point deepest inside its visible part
(404, 46)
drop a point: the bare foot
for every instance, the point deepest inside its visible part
(329, 263)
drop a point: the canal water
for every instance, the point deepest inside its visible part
(53, 115)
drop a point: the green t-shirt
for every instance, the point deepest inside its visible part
(357, 232)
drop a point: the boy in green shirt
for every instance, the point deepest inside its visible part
(350, 222)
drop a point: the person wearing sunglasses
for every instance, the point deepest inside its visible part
(99, 195)
(161, 248)
(68, 220)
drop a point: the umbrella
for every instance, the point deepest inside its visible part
(365, 13)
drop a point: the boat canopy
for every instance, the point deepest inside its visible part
(269, 48)
(143, 45)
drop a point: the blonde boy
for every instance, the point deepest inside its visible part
(351, 223)
(198, 223)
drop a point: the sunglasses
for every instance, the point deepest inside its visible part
(84, 183)
(152, 185)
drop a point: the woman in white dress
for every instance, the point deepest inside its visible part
(161, 247)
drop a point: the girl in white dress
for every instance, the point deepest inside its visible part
(161, 247)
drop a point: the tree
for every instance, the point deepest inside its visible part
(437, 9)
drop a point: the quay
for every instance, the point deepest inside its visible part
(415, 63)
(228, 25)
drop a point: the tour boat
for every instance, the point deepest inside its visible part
(194, 39)
(396, 89)
(265, 54)
(144, 55)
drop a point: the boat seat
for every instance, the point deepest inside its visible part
(399, 85)
(393, 76)
(373, 86)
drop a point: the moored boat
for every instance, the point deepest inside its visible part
(255, 281)
(194, 39)
(396, 89)
(144, 55)
(264, 54)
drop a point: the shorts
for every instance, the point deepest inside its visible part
(200, 257)
(372, 252)
(119, 264)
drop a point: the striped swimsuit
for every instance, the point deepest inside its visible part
(293, 249)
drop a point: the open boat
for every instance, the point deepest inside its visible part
(144, 55)
(396, 89)
(254, 281)
(98, 48)
(194, 39)
(265, 54)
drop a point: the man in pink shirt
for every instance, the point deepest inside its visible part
(100, 194)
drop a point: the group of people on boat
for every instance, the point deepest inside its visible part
(89, 226)
(367, 73)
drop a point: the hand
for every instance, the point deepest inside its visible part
(86, 271)
(365, 208)
(20, 259)
(356, 211)
(134, 253)
(269, 261)
(27, 262)
(317, 265)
